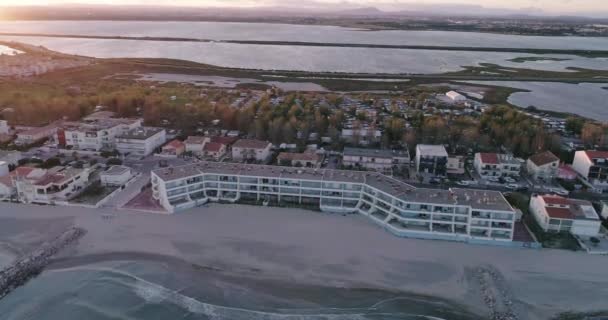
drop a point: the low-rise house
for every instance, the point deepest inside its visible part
(558, 214)
(4, 127)
(250, 149)
(49, 186)
(195, 144)
(116, 176)
(497, 165)
(543, 166)
(456, 165)
(306, 159)
(431, 159)
(593, 167)
(140, 142)
(174, 148)
(566, 172)
(34, 135)
(375, 159)
(214, 150)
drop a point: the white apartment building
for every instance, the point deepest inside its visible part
(457, 214)
(34, 135)
(195, 144)
(497, 165)
(557, 214)
(375, 159)
(140, 142)
(94, 135)
(431, 159)
(249, 149)
(543, 166)
(50, 186)
(593, 167)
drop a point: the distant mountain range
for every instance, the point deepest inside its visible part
(300, 9)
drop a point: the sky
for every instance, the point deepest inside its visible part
(548, 6)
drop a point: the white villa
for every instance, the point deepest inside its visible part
(457, 214)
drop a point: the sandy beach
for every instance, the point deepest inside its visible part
(313, 248)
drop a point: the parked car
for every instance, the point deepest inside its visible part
(512, 186)
(463, 183)
(510, 180)
(493, 179)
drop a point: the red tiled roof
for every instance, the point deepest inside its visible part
(491, 158)
(556, 200)
(175, 144)
(251, 144)
(22, 171)
(543, 158)
(212, 147)
(224, 140)
(597, 154)
(559, 213)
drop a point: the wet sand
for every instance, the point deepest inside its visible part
(299, 246)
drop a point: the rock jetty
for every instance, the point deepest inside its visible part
(29, 266)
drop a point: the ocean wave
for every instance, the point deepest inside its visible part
(154, 293)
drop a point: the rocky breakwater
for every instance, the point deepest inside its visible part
(32, 264)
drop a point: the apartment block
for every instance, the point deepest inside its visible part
(431, 159)
(593, 167)
(96, 135)
(456, 214)
(497, 165)
(140, 142)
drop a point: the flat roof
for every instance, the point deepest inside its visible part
(141, 133)
(378, 153)
(116, 170)
(477, 199)
(432, 150)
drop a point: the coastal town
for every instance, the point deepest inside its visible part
(411, 164)
(120, 157)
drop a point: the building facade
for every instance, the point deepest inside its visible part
(250, 149)
(460, 215)
(593, 167)
(375, 159)
(96, 135)
(497, 165)
(543, 166)
(34, 135)
(306, 159)
(557, 214)
(140, 142)
(116, 176)
(431, 159)
(49, 186)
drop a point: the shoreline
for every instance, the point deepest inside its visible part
(309, 248)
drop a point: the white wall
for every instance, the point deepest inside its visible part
(581, 163)
(589, 228)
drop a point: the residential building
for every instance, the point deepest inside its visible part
(375, 159)
(455, 96)
(593, 167)
(96, 135)
(558, 214)
(140, 142)
(174, 148)
(37, 134)
(497, 165)
(456, 165)
(431, 159)
(116, 176)
(250, 149)
(214, 150)
(10, 157)
(4, 127)
(307, 159)
(456, 214)
(361, 136)
(543, 166)
(49, 186)
(195, 144)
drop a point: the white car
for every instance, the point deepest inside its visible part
(510, 180)
(512, 186)
(463, 183)
(493, 179)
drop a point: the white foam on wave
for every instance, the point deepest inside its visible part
(154, 293)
